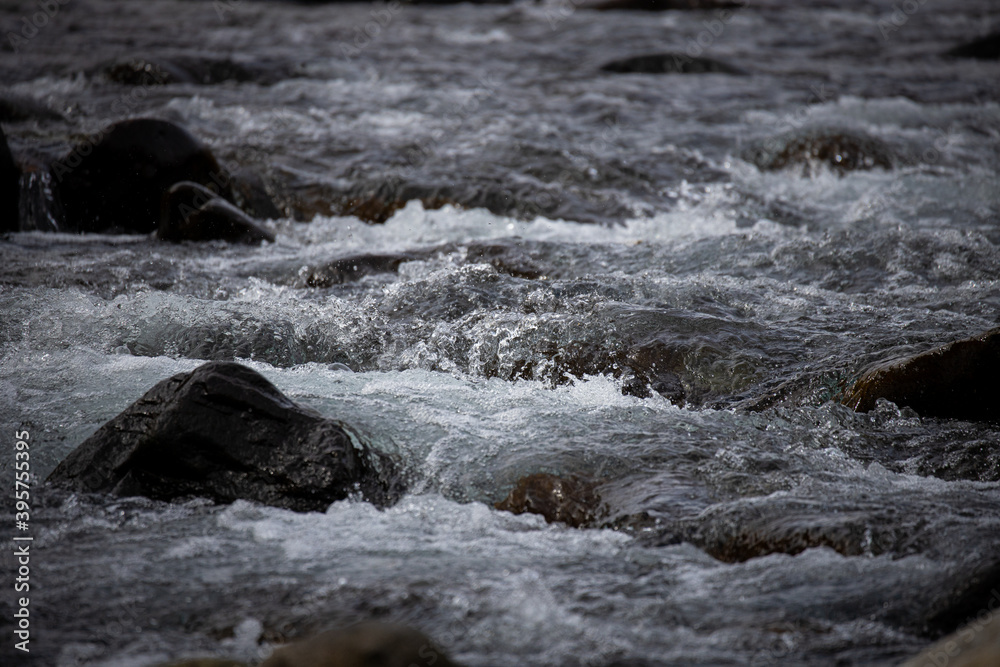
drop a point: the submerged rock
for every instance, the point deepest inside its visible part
(115, 181)
(957, 380)
(224, 432)
(984, 48)
(192, 212)
(10, 188)
(839, 150)
(570, 500)
(371, 644)
(669, 63)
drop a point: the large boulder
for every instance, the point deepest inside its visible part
(370, 644)
(224, 432)
(9, 188)
(115, 181)
(957, 380)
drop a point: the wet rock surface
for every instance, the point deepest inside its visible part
(956, 380)
(984, 48)
(115, 181)
(669, 63)
(146, 71)
(974, 645)
(839, 151)
(370, 644)
(571, 500)
(224, 432)
(665, 5)
(192, 212)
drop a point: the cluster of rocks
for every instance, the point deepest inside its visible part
(223, 432)
(138, 176)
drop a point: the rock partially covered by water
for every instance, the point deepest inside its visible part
(838, 150)
(351, 268)
(669, 63)
(151, 71)
(570, 500)
(9, 188)
(224, 432)
(115, 180)
(984, 48)
(957, 380)
(192, 212)
(370, 644)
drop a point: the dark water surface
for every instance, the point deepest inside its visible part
(597, 213)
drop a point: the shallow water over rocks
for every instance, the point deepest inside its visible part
(609, 289)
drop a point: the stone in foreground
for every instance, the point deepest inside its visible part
(975, 645)
(366, 645)
(224, 432)
(957, 380)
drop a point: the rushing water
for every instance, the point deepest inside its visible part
(622, 213)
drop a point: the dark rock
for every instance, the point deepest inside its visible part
(738, 539)
(192, 212)
(974, 645)
(15, 109)
(984, 48)
(369, 644)
(115, 181)
(506, 257)
(10, 188)
(224, 432)
(664, 5)
(354, 267)
(839, 150)
(968, 592)
(146, 71)
(957, 380)
(570, 500)
(254, 195)
(376, 209)
(669, 63)
(204, 662)
(657, 365)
